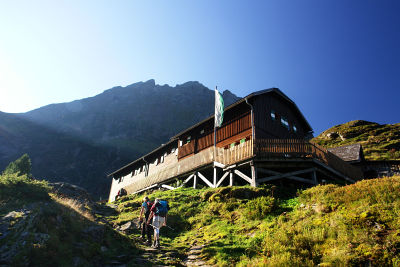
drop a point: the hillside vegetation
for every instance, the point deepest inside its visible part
(43, 224)
(379, 141)
(43, 227)
(327, 225)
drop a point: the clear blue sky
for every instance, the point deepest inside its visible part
(338, 60)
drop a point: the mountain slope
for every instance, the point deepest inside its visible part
(136, 118)
(81, 141)
(56, 156)
(379, 141)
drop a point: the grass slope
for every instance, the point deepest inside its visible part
(325, 225)
(379, 141)
(40, 228)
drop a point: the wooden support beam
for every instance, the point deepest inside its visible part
(253, 175)
(188, 179)
(244, 163)
(334, 171)
(168, 187)
(230, 167)
(314, 177)
(242, 175)
(285, 175)
(296, 178)
(222, 179)
(201, 176)
(195, 181)
(215, 177)
(147, 188)
(231, 178)
(299, 179)
(219, 165)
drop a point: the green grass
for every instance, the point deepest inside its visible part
(379, 141)
(327, 225)
(49, 232)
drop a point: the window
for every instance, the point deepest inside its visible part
(202, 131)
(273, 115)
(188, 139)
(285, 122)
(294, 128)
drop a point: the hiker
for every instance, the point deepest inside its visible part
(122, 192)
(146, 230)
(158, 213)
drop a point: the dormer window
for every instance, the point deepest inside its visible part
(273, 115)
(285, 122)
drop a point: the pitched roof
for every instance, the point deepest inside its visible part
(349, 153)
(266, 91)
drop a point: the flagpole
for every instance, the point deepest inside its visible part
(215, 128)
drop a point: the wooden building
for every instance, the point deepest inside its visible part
(264, 138)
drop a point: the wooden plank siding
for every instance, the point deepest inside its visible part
(266, 127)
(228, 133)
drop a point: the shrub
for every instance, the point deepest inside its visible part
(258, 208)
(21, 166)
(14, 186)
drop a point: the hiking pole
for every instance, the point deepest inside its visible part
(161, 226)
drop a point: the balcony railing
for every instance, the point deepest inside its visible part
(262, 149)
(295, 148)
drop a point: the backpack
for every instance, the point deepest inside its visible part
(162, 208)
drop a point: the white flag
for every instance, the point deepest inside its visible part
(219, 109)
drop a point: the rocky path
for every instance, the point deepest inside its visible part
(194, 257)
(165, 255)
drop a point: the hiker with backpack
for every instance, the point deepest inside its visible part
(146, 230)
(158, 213)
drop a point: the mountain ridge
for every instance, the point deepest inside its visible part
(113, 127)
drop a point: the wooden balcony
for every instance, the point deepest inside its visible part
(262, 150)
(295, 148)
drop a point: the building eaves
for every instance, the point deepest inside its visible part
(141, 158)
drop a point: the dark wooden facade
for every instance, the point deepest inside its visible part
(271, 111)
(238, 122)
